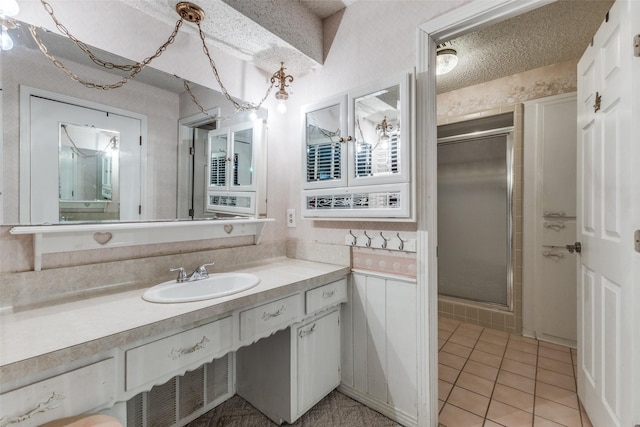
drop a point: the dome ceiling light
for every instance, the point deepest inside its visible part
(446, 60)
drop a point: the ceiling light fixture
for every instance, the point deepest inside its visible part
(188, 12)
(280, 79)
(446, 60)
(6, 43)
(383, 128)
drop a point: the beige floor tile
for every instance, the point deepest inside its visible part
(519, 368)
(452, 416)
(447, 373)
(489, 423)
(558, 413)
(475, 383)
(469, 401)
(496, 332)
(523, 346)
(486, 358)
(480, 369)
(554, 378)
(512, 397)
(441, 343)
(443, 334)
(493, 339)
(468, 331)
(554, 346)
(487, 347)
(508, 415)
(555, 365)
(586, 422)
(557, 394)
(523, 339)
(463, 340)
(554, 354)
(451, 360)
(447, 325)
(520, 356)
(457, 349)
(445, 321)
(444, 388)
(440, 405)
(516, 381)
(542, 422)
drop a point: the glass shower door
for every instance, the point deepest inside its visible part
(474, 219)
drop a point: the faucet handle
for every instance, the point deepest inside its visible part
(182, 275)
(203, 269)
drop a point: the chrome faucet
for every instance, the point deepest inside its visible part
(198, 274)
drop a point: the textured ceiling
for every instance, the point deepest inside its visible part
(555, 33)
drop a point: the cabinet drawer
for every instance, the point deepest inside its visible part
(326, 296)
(159, 358)
(71, 393)
(269, 316)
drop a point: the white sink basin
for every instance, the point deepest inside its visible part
(215, 286)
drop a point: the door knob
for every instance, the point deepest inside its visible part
(576, 247)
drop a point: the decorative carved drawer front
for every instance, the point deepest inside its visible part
(326, 296)
(270, 316)
(71, 393)
(157, 359)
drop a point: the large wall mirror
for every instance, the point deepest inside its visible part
(91, 166)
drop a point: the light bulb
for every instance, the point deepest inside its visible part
(9, 8)
(6, 43)
(282, 107)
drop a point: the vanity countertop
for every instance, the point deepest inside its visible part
(40, 338)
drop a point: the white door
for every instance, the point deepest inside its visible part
(608, 204)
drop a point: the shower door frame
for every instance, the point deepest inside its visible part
(509, 133)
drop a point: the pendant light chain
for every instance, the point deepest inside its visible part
(237, 105)
(134, 69)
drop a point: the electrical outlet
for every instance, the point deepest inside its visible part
(291, 218)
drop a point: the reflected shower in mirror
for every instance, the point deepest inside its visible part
(88, 174)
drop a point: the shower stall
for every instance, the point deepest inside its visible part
(475, 212)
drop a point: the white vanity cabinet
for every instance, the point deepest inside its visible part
(60, 396)
(357, 157)
(284, 375)
(235, 171)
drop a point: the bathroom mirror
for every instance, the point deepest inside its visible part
(377, 133)
(168, 175)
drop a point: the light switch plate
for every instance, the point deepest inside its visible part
(291, 218)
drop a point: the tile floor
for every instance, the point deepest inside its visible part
(491, 378)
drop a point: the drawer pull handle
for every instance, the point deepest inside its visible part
(328, 294)
(551, 254)
(305, 333)
(557, 214)
(266, 316)
(177, 353)
(51, 403)
(555, 226)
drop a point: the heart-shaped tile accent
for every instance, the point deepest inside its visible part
(102, 238)
(228, 228)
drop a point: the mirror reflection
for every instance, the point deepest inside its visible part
(166, 169)
(377, 133)
(88, 174)
(323, 145)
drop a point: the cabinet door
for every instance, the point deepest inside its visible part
(324, 156)
(318, 352)
(379, 130)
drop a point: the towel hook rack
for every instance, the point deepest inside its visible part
(368, 244)
(384, 241)
(401, 246)
(355, 238)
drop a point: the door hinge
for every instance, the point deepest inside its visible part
(140, 139)
(636, 240)
(191, 212)
(192, 151)
(636, 45)
(139, 209)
